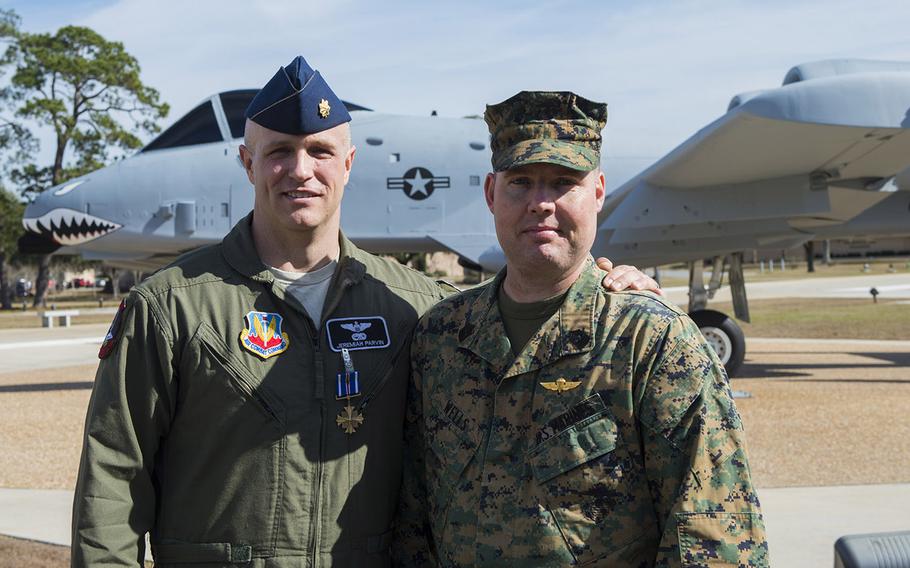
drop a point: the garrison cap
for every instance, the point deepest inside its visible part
(297, 100)
(535, 127)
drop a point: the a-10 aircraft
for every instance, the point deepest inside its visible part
(826, 155)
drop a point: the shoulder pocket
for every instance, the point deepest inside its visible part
(582, 442)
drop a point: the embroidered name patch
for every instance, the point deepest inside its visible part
(591, 406)
(353, 334)
(263, 335)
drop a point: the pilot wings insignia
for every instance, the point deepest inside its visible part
(356, 327)
(560, 385)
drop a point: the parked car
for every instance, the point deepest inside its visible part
(23, 288)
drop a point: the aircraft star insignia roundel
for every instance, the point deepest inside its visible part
(418, 183)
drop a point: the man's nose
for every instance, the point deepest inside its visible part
(302, 166)
(542, 201)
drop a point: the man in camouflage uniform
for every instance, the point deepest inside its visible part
(551, 422)
(248, 406)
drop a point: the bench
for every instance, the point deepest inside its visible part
(63, 317)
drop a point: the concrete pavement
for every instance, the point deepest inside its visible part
(802, 522)
(890, 286)
(48, 348)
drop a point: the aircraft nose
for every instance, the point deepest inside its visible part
(54, 219)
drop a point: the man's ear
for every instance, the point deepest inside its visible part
(348, 163)
(600, 190)
(246, 158)
(488, 184)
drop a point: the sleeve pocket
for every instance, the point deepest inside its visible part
(721, 540)
(578, 444)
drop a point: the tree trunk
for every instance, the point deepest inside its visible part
(6, 298)
(810, 256)
(41, 281)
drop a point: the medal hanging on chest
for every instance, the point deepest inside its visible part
(348, 387)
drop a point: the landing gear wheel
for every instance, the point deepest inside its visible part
(724, 335)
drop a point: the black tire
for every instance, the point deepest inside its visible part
(722, 332)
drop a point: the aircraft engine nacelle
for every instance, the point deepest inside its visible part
(831, 67)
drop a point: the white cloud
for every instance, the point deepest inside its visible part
(666, 68)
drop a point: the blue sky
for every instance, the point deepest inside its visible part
(665, 68)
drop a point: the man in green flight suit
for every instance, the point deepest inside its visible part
(248, 406)
(550, 422)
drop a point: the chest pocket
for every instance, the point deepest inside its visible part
(591, 486)
(451, 451)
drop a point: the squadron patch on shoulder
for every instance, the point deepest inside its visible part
(354, 334)
(113, 333)
(263, 335)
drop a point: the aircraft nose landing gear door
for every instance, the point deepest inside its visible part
(418, 204)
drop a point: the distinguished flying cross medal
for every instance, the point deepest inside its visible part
(324, 108)
(348, 387)
(560, 385)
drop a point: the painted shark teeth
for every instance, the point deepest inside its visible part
(69, 227)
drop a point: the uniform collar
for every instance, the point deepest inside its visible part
(239, 251)
(569, 331)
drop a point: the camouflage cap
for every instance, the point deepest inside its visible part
(546, 127)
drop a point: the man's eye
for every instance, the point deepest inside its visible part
(566, 181)
(278, 153)
(520, 181)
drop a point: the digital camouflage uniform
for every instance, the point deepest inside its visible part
(610, 440)
(633, 457)
(232, 459)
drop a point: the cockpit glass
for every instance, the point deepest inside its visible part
(234, 104)
(197, 127)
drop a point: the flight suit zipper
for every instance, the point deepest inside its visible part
(319, 364)
(316, 519)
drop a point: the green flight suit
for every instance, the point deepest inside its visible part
(610, 440)
(231, 459)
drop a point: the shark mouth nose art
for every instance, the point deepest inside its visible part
(69, 227)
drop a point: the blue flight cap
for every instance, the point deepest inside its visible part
(297, 100)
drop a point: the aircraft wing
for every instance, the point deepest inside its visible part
(777, 166)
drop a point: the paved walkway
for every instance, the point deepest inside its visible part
(890, 286)
(802, 522)
(47, 348)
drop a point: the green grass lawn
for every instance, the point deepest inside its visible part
(822, 318)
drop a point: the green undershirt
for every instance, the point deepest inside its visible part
(523, 319)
